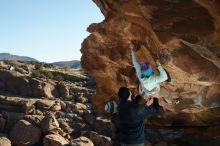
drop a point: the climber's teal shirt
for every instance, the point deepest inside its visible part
(150, 85)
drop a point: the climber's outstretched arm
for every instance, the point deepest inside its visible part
(136, 64)
(163, 75)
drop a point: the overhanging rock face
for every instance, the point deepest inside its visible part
(190, 31)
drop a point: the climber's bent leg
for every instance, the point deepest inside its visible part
(166, 95)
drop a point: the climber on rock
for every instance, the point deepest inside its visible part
(131, 117)
(149, 82)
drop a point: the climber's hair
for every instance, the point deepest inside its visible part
(123, 93)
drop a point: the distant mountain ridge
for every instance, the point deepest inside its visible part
(7, 56)
(72, 64)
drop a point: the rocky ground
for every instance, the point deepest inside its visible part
(54, 108)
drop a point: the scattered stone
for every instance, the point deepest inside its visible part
(44, 104)
(63, 90)
(49, 123)
(34, 119)
(38, 112)
(65, 127)
(63, 105)
(80, 106)
(56, 106)
(55, 140)
(25, 134)
(69, 106)
(81, 99)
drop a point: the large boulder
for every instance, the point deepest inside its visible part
(184, 35)
(55, 140)
(43, 89)
(25, 134)
(49, 123)
(16, 104)
(15, 82)
(63, 90)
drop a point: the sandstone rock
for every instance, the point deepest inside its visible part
(63, 105)
(81, 99)
(16, 104)
(69, 106)
(83, 108)
(82, 141)
(66, 127)
(43, 89)
(190, 54)
(80, 107)
(38, 112)
(56, 106)
(4, 141)
(44, 104)
(25, 134)
(49, 123)
(63, 90)
(54, 140)
(15, 82)
(34, 119)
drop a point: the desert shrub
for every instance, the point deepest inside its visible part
(36, 74)
(59, 78)
(11, 63)
(48, 74)
(38, 66)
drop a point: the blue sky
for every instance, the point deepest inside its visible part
(47, 30)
